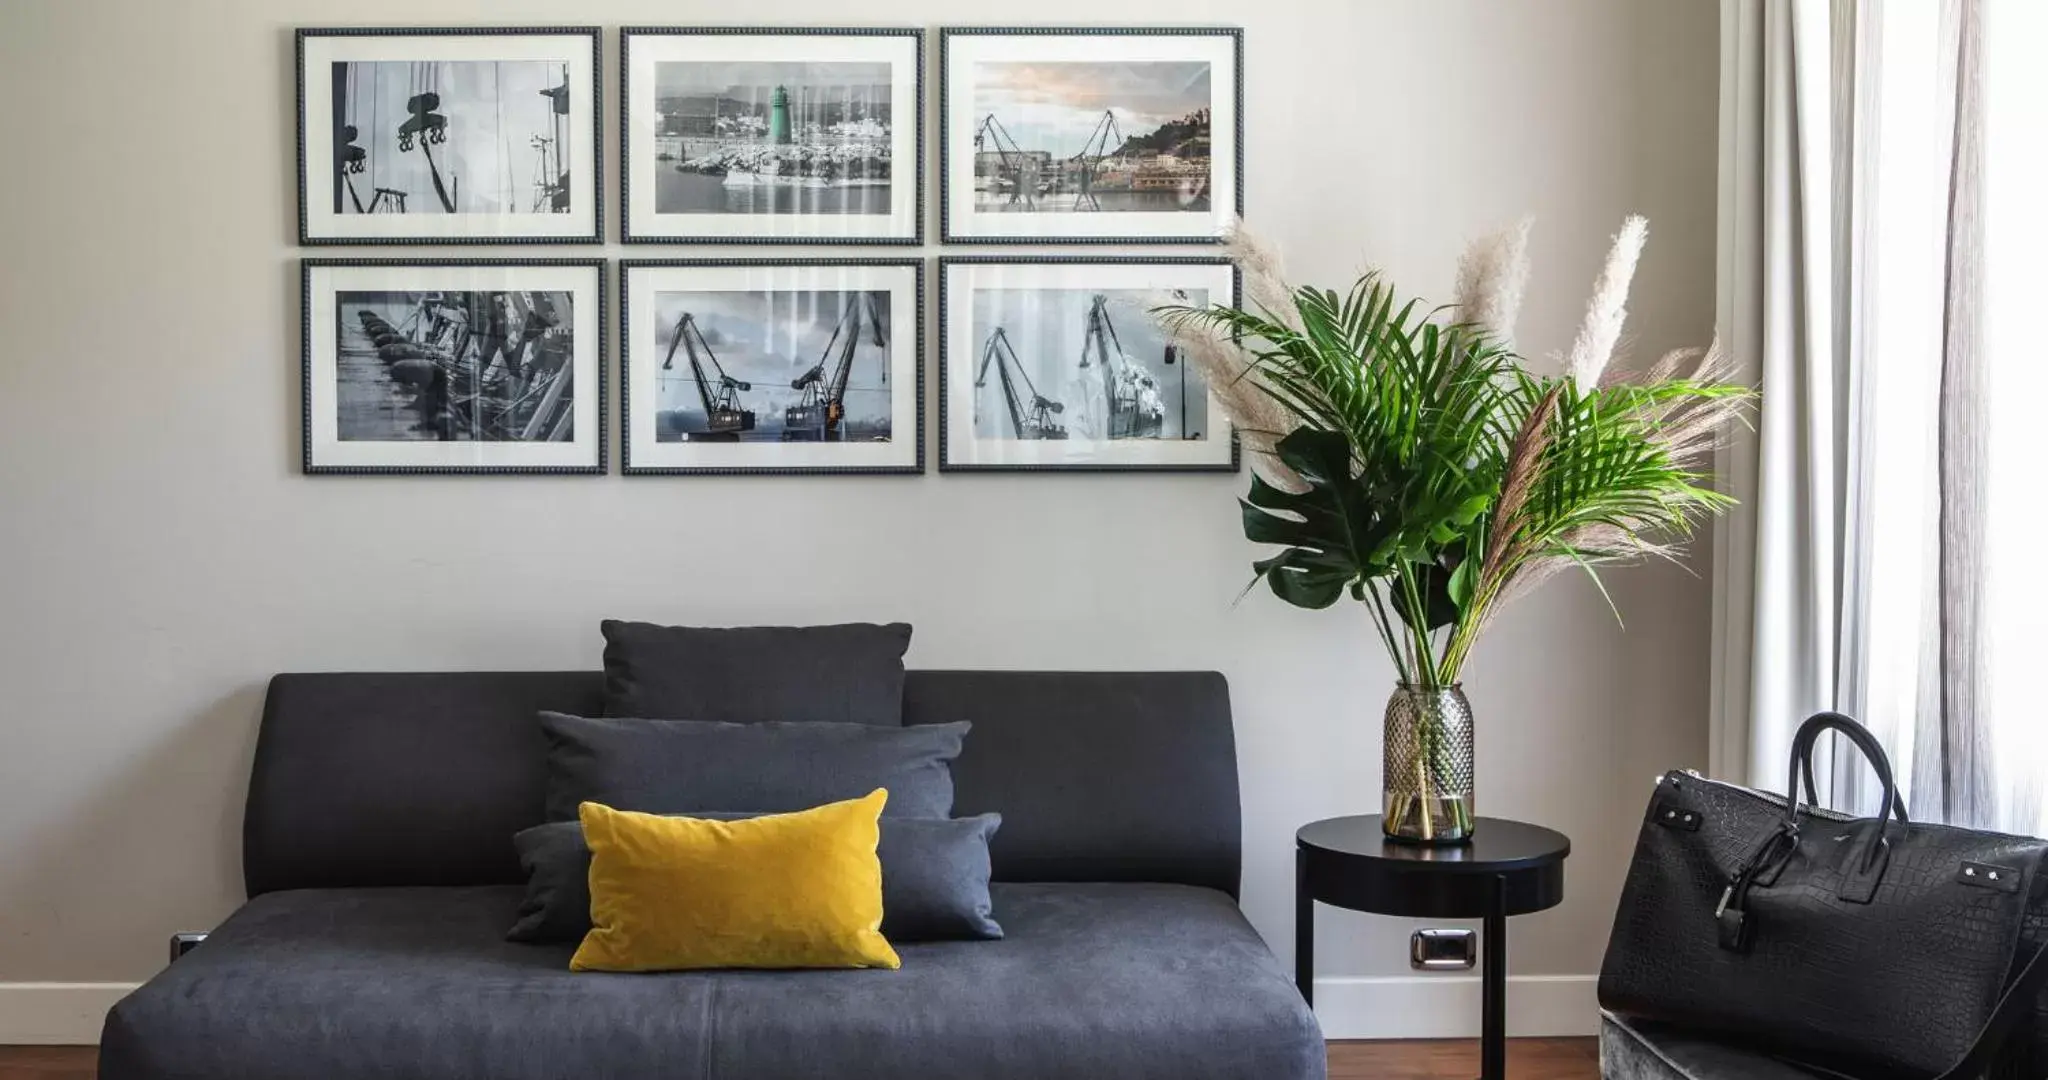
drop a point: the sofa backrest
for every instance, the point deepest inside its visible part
(422, 778)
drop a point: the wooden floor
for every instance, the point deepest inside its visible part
(1528, 1059)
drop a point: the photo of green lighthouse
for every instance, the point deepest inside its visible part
(778, 117)
(772, 137)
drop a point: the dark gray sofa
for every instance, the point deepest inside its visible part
(381, 875)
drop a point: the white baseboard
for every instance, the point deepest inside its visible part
(56, 1014)
(1407, 1007)
(1447, 1006)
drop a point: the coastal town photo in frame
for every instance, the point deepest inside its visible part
(737, 135)
(453, 366)
(448, 136)
(772, 366)
(1077, 135)
(1049, 363)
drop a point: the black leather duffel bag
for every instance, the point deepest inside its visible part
(1875, 948)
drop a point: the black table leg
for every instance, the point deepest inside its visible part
(1493, 984)
(1304, 931)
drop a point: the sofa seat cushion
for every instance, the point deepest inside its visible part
(1636, 1050)
(1093, 980)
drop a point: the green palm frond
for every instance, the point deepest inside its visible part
(1439, 472)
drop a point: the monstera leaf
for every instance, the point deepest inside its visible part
(1346, 531)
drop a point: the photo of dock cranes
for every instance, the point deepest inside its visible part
(773, 366)
(1050, 363)
(1090, 134)
(1081, 137)
(446, 134)
(1081, 364)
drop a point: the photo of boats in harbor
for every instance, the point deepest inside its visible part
(419, 135)
(1088, 136)
(773, 366)
(773, 137)
(1081, 364)
(452, 137)
(454, 366)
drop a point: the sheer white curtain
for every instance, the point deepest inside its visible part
(1778, 557)
(2015, 288)
(1882, 565)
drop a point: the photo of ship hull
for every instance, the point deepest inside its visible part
(454, 366)
(773, 366)
(1080, 364)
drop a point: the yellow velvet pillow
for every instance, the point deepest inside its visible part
(800, 890)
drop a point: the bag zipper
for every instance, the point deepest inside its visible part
(1770, 798)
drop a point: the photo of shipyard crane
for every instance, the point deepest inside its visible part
(1032, 421)
(817, 415)
(724, 417)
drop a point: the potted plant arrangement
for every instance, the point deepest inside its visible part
(1407, 458)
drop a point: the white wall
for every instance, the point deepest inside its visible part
(163, 557)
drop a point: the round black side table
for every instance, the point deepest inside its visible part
(1509, 868)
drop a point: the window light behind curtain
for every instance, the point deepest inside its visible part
(1990, 766)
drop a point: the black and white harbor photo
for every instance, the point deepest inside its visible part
(1085, 137)
(1090, 134)
(793, 366)
(453, 366)
(448, 135)
(772, 366)
(769, 137)
(1081, 364)
(452, 137)
(1052, 363)
(772, 135)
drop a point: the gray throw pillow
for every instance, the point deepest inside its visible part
(850, 673)
(934, 879)
(682, 766)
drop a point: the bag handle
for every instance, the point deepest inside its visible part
(1872, 853)
(1803, 745)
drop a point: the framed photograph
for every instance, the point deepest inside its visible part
(799, 366)
(453, 365)
(445, 135)
(736, 135)
(1051, 135)
(1050, 363)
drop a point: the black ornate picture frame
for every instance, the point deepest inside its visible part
(771, 135)
(452, 366)
(795, 367)
(1090, 135)
(1016, 396)
(450, 135)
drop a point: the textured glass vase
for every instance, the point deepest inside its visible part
(1428, 766)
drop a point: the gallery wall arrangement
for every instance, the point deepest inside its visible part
(750, 136)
